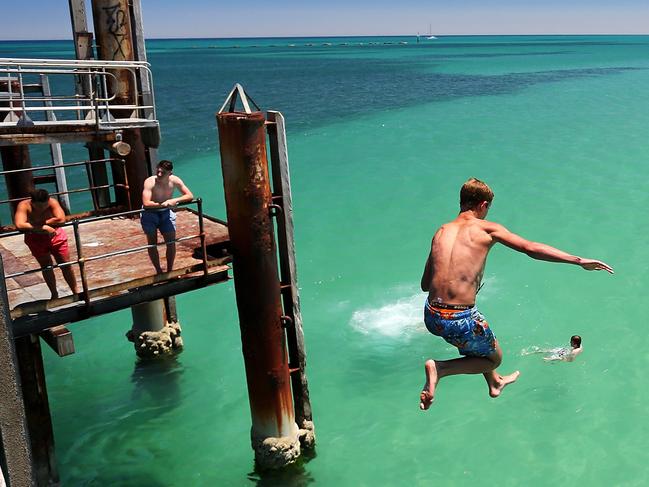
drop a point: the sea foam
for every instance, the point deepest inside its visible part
(400, 318)
(403, 317)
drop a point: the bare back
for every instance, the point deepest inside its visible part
(457, 259)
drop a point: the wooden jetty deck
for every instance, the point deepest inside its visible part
(113, 282)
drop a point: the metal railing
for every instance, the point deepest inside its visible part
(93, 101)
(124, 186)
(81, 261)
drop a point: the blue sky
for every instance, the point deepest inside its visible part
(49, 19)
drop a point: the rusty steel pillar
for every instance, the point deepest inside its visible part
(15, 448)
(115, 42)
(242, 139)
(37, 409)
(18, 184)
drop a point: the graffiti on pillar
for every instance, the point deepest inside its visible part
(116, 21)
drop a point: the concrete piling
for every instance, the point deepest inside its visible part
(151, 333)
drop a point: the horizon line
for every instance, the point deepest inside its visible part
(348, 36)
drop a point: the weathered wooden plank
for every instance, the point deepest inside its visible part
(59, 338)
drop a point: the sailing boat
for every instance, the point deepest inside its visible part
(430, 35)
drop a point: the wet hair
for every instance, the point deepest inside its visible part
(473, 193)
(166, 165)
(575, 340)
(39, 195)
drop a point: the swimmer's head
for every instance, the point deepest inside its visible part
(476, 195)
(575, 341)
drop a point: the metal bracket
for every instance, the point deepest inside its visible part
(274, 210)
(286, 321)
(239, 92)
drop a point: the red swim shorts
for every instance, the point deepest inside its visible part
(41, 244)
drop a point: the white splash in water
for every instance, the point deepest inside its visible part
(404, 317)
(401, 318)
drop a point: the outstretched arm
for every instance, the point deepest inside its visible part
(541, 251)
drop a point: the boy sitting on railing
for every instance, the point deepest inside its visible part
(37, 217)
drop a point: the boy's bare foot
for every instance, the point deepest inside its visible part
(427, 395)
(501, 381)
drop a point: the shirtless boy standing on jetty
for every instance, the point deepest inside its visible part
(158, 201)
(39, 218)
(452, 275)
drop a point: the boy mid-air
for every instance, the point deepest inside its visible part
(452, 275)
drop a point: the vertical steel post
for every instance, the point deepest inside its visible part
(18, 184)
(39, 419)
(201, 231)
(288, 271)
(112, 22)
(15, 450)
(16, 157)
(242, 140)
(115, 42)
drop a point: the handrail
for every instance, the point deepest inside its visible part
(65, 164)
(99, 78)
(81, 260)
(69, 191)
(92, 63)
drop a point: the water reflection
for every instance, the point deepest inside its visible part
(158, 380)
(294, 475)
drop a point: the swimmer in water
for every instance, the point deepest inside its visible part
(565, 354)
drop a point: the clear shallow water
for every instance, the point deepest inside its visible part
(381, 136)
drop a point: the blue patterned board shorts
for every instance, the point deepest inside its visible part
(165, 220)
(467, 329)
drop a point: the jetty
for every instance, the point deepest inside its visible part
(103, 102)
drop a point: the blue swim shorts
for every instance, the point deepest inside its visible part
(466, 329)
(164, 220)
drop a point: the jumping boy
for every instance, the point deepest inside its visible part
(452, 275)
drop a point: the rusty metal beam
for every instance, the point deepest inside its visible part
(40, 306)
(54, 134)
(242, 139)
(37, 323)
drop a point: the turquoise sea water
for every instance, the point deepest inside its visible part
(381, 136)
